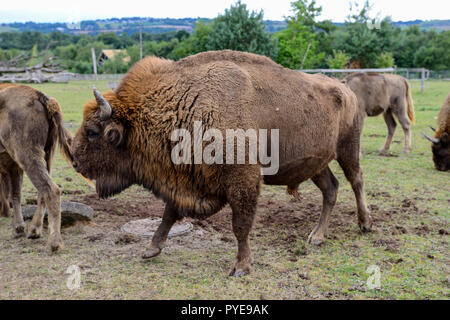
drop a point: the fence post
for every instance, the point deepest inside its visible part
(423, 80)
(94, 63)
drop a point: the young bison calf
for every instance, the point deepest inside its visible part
(31, 124)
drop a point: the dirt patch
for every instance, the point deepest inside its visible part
(283, 221)
(391, 245)
(379, 194)
(422, 230)
(399, 230)
(126, 238)
(73, 192)
(410, 205)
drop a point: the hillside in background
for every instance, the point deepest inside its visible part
(156, 25)
(127, 25)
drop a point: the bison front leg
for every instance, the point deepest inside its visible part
(243, 200)
(170, 216)
(4, 195)
(328, 184)
(391, 124)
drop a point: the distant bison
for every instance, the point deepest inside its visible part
(388, 94)
(125, 137)
(441, 140)
(31, 124)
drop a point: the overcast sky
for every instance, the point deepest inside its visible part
(76, 10)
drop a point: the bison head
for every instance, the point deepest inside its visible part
(441, 151)
(100, 146)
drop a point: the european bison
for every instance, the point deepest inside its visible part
(389, 94)
(441, 140)
(125, 137)
(31, 124)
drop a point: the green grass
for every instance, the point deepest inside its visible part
(413, 264)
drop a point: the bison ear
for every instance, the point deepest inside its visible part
(114, 134)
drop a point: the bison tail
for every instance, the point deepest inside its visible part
(409, 102)
(64, 136)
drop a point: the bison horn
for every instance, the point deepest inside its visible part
(434, 140)
(432, 128)
(105, 108)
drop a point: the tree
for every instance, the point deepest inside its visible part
(365, 44)
(195, 43)
(435, 55)
(238, 29)
(298, 44)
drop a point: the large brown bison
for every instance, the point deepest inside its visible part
(389, 94)
(441, 140)
(125, 137)
(31, 125)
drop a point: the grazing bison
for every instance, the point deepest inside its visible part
(125, 137)
(441, 140)
(31, 124)
(388, 94)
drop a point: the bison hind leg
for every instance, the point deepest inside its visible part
(15, 181)
(349, 162)
(329, 185)
(242, 194)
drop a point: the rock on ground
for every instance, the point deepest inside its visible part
(71, 212)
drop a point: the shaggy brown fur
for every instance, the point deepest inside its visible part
(389, 94)
(441, 141)
(317, 116)
(31, 125)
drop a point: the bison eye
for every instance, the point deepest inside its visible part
(91, 134)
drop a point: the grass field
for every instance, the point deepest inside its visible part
(408, 198)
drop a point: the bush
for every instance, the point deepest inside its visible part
(339, 60)
(385, 60)
(82, 67)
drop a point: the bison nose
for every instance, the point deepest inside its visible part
(75, 165)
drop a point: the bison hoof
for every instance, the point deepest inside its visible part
(316, 238)
(365, 227)
(239, 272)
(406, 150)
(34, 232)
(151, 252)
(240, 269)
(54, 246)
(19, 231)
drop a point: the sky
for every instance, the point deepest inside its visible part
(77, 10)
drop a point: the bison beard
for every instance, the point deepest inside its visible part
(108, 186)
(125, 138)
